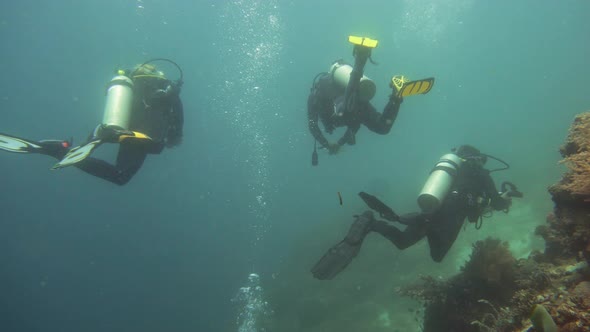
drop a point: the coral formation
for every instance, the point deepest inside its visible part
(491, 270)
(494, 292)
(574, 188)
(568, 231)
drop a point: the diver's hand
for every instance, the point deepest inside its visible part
(507, 198)
(396, 84)
(333, 148)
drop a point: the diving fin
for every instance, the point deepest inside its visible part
(18, 145)
(375, 204)
(363, 41)
(339, 256)
(77, 154)
(102, 134)
(50, 147)
(405, 87)
(335, 260)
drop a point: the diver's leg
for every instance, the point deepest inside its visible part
(414, 232)
(130, 158)
(381, 123)
(55, 148)
(99, 168)
(340, 255)
(445, 227)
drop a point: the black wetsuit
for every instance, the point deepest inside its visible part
(473, 191)
(326, 103)
(158, 113)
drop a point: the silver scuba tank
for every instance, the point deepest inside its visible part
(117, 110)
(439, 183)
(341, 75)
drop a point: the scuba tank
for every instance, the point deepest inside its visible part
(341, 75)
(117, 110)
(439, 183)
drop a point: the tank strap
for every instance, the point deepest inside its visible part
(315, 85)
(451, 171)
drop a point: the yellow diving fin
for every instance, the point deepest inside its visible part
(136, 135)
(363, 41)
(405, 87)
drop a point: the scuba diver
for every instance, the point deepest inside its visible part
(341, 98)
(143, 114)
(458, 187)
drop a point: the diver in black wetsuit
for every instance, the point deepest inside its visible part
(157, 112)
(459, 187)
(340, 99)
(143, 114)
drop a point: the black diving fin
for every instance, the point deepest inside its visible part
(339, 256)
(335, 260)
(375, 204)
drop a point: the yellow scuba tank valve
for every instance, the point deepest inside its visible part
(439, 183)
(119, 99)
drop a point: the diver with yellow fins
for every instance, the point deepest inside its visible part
(143, 114)
(341, 98)
(458, 188)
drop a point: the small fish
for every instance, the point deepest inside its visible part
(340, 198)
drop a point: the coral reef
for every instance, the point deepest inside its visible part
(574, 188)
(567, 234)
(495, 292)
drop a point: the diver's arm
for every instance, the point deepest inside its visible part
(349, 135)
(381, 123)
(497, 202)
(313, 111)
(391, 110)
